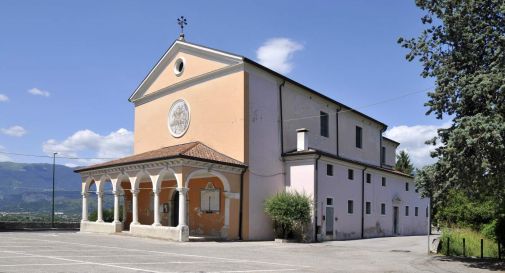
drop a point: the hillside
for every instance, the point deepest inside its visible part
(28, 188)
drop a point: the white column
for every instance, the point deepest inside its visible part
(99, 198)
(135, 213)
(156, 208)
(85, 207)
(116, 207)
(182, 206)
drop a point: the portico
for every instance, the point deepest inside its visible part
(171, 193)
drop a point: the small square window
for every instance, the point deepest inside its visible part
(416, 211)
(329, 170)
(329, 201)
(350, 206)
(383, 181)
(406, 186)
(369, 178)
(406, 210)
(350, 174)
(383, 209)
(368, 208)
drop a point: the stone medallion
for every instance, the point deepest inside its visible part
(178, 118)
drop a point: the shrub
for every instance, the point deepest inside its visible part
(290, 212)
(108, 215)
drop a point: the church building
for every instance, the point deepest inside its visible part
(216, 134)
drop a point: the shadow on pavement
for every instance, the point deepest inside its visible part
(487, 263)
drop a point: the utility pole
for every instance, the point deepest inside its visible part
(54, 165)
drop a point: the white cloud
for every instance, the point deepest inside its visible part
(413, 138)
(276, 54)
(114, 145)
(3, 98)
(15, 131)
(39, 92)
(4, 157)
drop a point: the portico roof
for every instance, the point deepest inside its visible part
(192, 150)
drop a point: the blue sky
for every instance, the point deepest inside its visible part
(67, 68)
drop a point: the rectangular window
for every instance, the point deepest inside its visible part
(383, 155)
(329, 170)
(426, 211)
(369, 178)
(416, 211)
(383, 181)
(406, 186)
(368, 209)
(359, 137)
(350, 174)
(324, 120)
(383, 209)
(350, 206)
(329, 201)
(406, 210)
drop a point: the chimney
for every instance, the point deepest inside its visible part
(302, 139)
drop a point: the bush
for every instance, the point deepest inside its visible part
(290, 212)
(472, 243)
(108, 215)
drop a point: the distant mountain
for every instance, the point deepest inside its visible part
(28, 188)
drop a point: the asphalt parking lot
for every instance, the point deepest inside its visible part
(85, 252)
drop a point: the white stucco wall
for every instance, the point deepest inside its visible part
(390, 151)
(341, 189)
(301, 109)
(370, 151)
(266, 170)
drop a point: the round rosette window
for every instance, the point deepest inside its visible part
(178, 118)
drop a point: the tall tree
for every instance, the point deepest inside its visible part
(463, 49)
(403, 163)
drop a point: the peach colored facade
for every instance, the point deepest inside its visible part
(250, 114)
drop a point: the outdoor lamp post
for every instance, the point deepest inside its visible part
(52, 213)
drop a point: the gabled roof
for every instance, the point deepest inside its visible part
(192, 150)
(231, 56)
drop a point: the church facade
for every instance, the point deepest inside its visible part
(216, 134)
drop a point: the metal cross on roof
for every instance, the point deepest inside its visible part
(181, 22)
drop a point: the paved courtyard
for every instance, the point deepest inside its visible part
(83, 252)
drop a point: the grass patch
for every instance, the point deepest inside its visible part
(472, 243)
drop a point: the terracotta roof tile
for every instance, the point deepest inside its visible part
(193, 150)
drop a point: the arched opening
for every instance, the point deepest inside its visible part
(107, 201)
(174, 209)
(168, 206)
(146, 203)
(92, 201)
(126, 209)
(208, 213)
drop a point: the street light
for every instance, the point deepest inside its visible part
(52, 214)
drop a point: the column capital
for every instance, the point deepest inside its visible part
(156, 191)
(99, 194)
(85, 194)
(183, 190)
(135, 192)
(116, 193)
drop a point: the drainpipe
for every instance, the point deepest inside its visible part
(241, 203)
(282, 120)
(316, 175)
(363, 203)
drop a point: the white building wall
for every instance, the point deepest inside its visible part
(341, 189)
(266, 171)
(370, 151)
(301, 109)
(390, 152)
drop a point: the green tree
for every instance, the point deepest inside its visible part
(403, 163)
(290, 212)
(463, 49)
